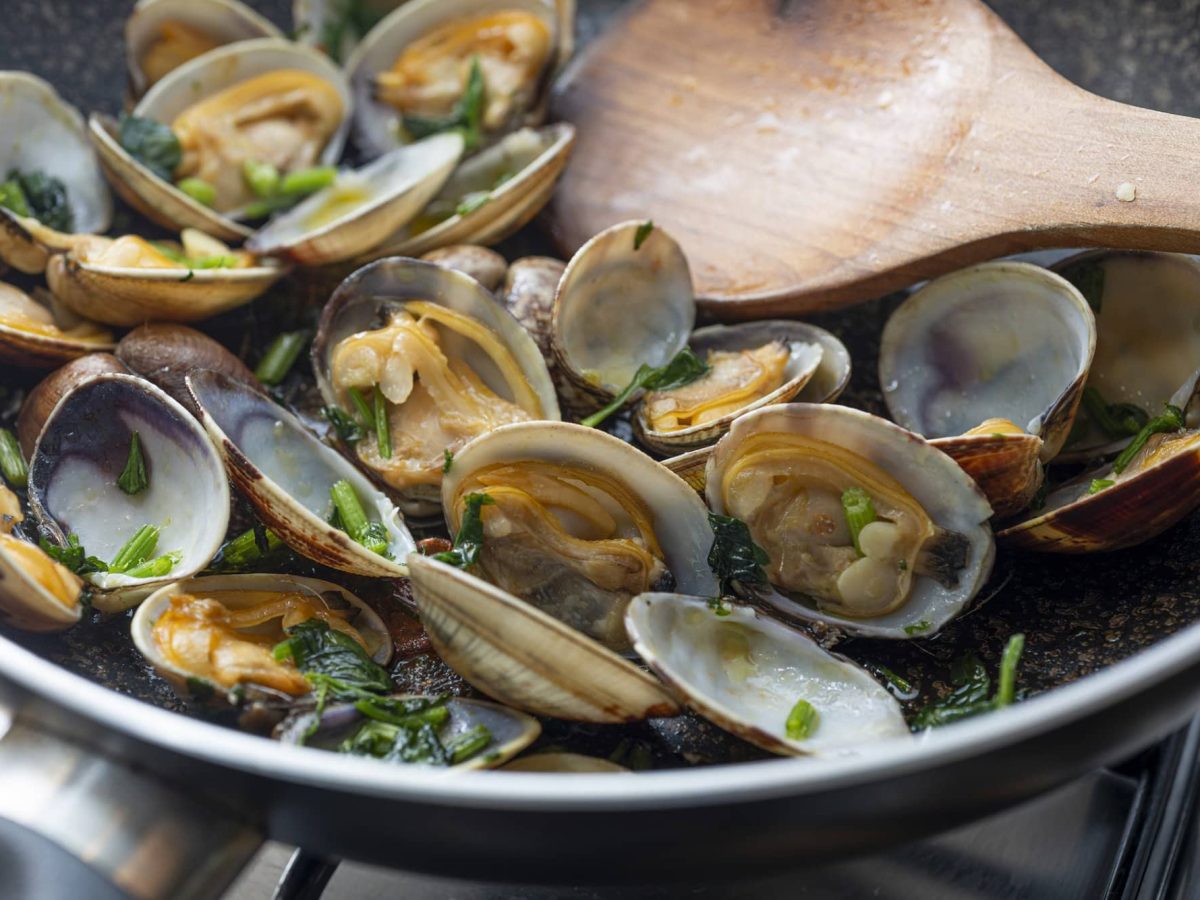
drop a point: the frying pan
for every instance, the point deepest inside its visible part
(94, 756)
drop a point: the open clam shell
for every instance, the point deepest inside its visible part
(216, 70)
(241, 592)
(377, 124)
(868, 452)
(511, 731)
(999, 340)
(360, 302)
(36, 593)
(394, 189)
(746, 672)
(524, 658)
(807, 347)
(82, 450)
(624, 300)
(161, 35)
(38, 344)
(490, 195)
(127, 296)
(286, 473)
(40, 132)
(1147, 308)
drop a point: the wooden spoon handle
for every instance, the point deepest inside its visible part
(1114, 175)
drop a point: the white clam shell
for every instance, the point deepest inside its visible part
(949, 496)
(287, 473)
(39, 131)
(401, 182)
(81, 451)
(685, 641)
(998, 340)
(364, 619)
(621, 304)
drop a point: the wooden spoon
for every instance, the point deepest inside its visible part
(813, 153)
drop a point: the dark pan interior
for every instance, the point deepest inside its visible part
(1079, 614)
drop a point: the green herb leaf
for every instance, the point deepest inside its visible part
(12, 462)
(719, 606)
(471, 202)
(467, 115)
(917, 628)
(1171, 419)
(246, 550)
(45, 198)
(383, 431)
(734, 557)
(136, 550)
(1099, 484)
(13, 199)
(281, 355)
(333, 659)
(1116, 420)
(860, 512)
(684, 368)
(73, 556)
(347, 19)
(971, 687)
(347, 430)
(372, 535)
(469, 540)
(133, 478)
(802, 721)
(151, 143)
(643, 232)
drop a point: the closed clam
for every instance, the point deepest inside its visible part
(749, 674)
(218, 631)
(442, 359)
(289, 477)
(865, 526)
(43, 138)
(300, 109)
(162, 35)
(77, 486)
(486, 266)
(573, 524)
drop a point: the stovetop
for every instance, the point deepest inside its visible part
(1131, 832)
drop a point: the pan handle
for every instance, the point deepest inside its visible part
(128, 827)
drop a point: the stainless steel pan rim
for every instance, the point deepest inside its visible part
(710, 786)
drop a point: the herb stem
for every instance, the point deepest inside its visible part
(136, 550)
(280, 357)
(1171, 419)
(1006, 689)
(354, 519)
(684, 368)
(860, 512)
(362, 408)
(383, 434)
(12, 463)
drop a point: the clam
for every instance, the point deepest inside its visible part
(524, 658)
(43, 335)
(625, 300)
(577, 524)
(490, 195)
(1125, 501)
(164, 354)
(162, 35)
(128, 281)
(44, 396)
(362, 208)
(449, 363)
(415, 66)
(40, 134)
(1147, 308)
(1001, 340)
(74, 487)
(866, 526)
(300, 107)
(486, 266)
(218, 631)
(288, 476)
(36, 593)
(748, 673)
(751, 365)
(508, 731)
